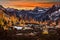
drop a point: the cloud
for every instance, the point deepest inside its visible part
(27, 3)
(33, 0)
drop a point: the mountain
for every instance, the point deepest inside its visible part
(49, 12)
(54, 12)
(38, 13)
(39, 9)
(3, 14)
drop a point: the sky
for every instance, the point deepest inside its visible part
(28, 4)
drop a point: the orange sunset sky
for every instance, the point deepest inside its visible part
(26, 4)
